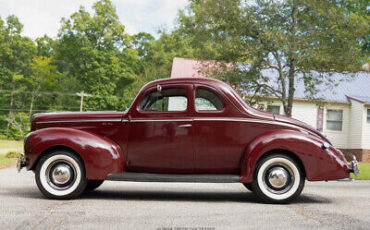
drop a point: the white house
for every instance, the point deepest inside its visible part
(344, 115)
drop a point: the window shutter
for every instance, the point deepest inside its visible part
(320, 119)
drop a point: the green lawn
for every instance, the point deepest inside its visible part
(6, 146)
(364, 172)
(4, 161)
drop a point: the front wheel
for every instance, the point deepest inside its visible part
(278, 179)
(61, 175)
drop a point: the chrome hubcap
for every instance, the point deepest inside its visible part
(278, 177)
(61, 174)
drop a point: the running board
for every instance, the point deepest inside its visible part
(160, 177)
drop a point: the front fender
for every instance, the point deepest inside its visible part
(100, 155)
(319, 164)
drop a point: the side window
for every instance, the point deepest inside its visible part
(206, 100)
(170, 99)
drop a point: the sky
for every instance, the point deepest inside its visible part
(41, 17)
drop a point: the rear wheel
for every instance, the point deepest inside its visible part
(278, 179)
(93, 184)
(61, 175)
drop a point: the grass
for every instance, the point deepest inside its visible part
(6, 146)
(4, 161)
(364, 172)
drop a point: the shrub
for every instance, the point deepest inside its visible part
(13, 154)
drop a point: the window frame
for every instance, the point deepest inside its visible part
(213, 90)
(368, 115)
(154, 88)
(341, 121)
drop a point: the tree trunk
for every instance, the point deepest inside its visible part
(33, 100)
(292, 61)
(11, 107)
(31, 107)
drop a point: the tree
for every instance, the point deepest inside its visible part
(94, 49)
(45, 46)
(299, 40)
(16, 53)
(45, 77)
(156, 56)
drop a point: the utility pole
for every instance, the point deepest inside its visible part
(82, 94)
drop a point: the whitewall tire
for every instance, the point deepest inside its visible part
(61, 175)
(278, 179)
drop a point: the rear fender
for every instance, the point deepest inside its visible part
(101, 156)
(318, 163)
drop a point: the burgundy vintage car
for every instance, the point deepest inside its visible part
(180, 130)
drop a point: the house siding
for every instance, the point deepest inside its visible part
(307, 112)
(366, 130)
(356, 128)
(338, 138)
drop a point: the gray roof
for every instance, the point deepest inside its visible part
(353, 85)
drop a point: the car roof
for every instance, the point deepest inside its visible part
(201, 80)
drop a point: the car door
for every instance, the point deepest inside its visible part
(160, 130)
(217, 144)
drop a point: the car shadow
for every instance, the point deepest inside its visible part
(188, 196)
(154, 195)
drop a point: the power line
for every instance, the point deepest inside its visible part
(24, 110)
(40, 92)
(57, 93)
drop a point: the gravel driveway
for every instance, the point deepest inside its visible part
(129, 205)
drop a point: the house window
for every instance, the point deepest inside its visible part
(273, 109)
(368, 115)
(334, 120)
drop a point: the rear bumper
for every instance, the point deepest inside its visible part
(353, 167)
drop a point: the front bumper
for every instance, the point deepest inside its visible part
(21, 162)
(353, 167)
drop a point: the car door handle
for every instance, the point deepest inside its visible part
(185, 126)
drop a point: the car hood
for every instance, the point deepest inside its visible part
(56, 117)
(301, 124)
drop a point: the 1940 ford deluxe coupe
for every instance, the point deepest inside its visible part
(180, 130)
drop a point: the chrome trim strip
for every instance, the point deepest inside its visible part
(162, 177)
(236, 120)
(161, 120)
(221, 119)
(227, 119)
(177, 120)
(77, 121)
(248, 120)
